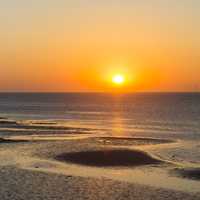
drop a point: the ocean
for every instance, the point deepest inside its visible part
(169, 115)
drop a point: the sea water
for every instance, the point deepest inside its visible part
(164, 114)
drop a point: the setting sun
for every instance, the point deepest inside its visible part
(118, 79)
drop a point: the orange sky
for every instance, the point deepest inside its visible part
(79, 45)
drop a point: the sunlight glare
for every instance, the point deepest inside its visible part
(118, 79)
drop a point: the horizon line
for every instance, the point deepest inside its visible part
(94, 92)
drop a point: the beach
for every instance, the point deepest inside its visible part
(47, 170)
(95, 146)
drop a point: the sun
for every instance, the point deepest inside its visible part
(118, 79)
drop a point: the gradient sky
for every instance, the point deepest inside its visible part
(77, 45)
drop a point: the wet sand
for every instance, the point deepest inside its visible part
(84, 169)
(190, 173)
(130, 141)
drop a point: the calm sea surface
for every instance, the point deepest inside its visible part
(147, 114)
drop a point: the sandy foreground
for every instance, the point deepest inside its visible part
(92, 168)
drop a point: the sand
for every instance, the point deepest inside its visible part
(17, 184)
(84, 169)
